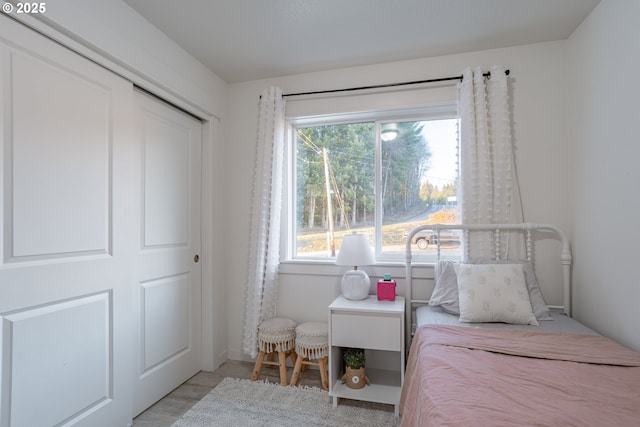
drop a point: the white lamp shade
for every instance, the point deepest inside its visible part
(355, 251)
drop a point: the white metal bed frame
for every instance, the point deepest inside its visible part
(526, 228)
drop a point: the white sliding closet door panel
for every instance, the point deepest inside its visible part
(168, 298)
(67, 217)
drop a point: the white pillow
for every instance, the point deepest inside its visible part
(445, 292)
(538, 304)
(494, 293)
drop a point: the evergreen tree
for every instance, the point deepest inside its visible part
(350, 152)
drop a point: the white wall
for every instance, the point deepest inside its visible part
(604, 149)
(539, 79)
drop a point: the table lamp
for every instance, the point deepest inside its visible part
(355, 251)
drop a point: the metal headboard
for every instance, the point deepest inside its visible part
(526, 228)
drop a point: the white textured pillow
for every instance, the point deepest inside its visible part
(538, 304)
(494, 293)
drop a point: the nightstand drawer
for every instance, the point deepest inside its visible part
(366, 331)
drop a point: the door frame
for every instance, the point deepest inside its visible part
(214, 349)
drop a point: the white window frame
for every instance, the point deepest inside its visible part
(288, 237)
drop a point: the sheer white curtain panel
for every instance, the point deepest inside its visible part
(488, 191)
(264, 238)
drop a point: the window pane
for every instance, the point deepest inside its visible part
(419, 169)
(344, 183)
(335, 173)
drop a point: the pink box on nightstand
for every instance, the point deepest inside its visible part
(387, 289)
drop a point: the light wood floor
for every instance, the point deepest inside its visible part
(172, 406)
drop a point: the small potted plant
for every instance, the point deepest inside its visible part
(354, 376)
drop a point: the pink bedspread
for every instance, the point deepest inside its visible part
(485, 377)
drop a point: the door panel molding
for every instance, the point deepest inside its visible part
(54, 205)
(41, 351)
(167, 147)
(165, 334)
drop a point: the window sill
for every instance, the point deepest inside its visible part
(329, 268)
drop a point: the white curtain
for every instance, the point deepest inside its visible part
(264, 238)
(488, 190)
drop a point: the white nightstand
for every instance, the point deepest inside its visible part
(378, 327)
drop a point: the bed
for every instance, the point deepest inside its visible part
(485, 349)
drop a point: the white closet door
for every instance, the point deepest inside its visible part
(169, 289)
(66, 259)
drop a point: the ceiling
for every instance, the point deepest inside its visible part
(243, 40)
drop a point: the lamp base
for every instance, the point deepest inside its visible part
(355, 284)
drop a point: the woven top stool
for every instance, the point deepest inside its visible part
(312, 343)
(276, 335)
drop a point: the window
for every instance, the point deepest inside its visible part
(380, 174)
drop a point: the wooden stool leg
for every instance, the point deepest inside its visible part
(270, 359)
(295, 376)
(282, 360)
(257, 367)
(322, 364)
